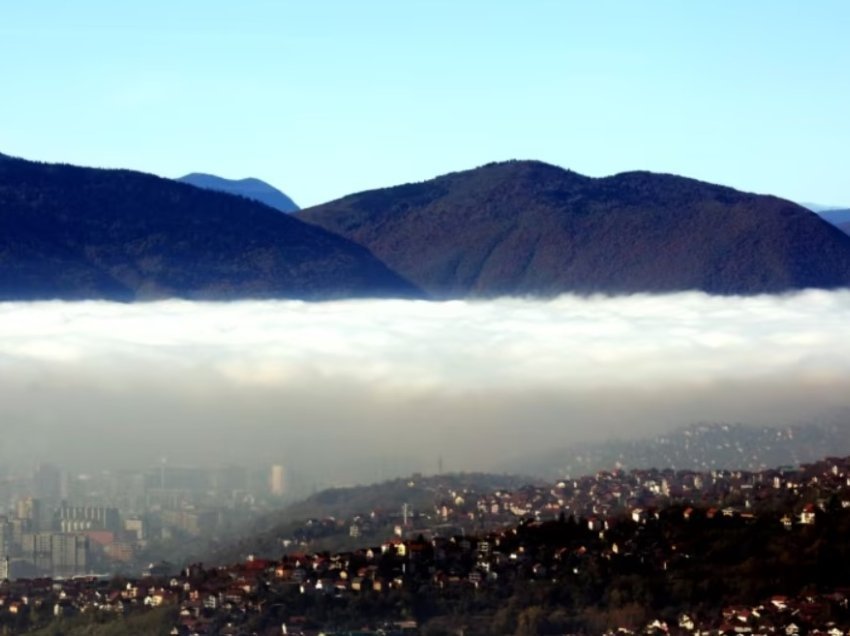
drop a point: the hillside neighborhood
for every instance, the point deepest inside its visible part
(689, 535)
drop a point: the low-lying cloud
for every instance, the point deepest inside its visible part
(359, 389)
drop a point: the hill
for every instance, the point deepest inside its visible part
(525, 227)
(323, 520)
(70, 232)
(253, 189)
(642, 552)
(708, 446)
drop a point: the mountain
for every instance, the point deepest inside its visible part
(836, 216)
(839, 217)
(70, 232)
(249, 188)
(525, 227)
(819, 207)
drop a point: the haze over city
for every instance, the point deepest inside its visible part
(348, 389)
(334, 98)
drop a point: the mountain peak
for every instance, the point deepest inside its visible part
(519, 169)
(250, 188)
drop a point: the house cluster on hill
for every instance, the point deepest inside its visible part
(228, 600)
(726, 552)
(799, 491)
(608, 493)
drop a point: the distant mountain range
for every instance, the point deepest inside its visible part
(249, 188)
(838, 217)
(72, 233)
(819, 207)
(513, 228)
(525, 227)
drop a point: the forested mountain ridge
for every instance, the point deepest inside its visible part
(72, 233)
(529, 228)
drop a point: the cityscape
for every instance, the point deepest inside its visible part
(470, 543)
(63, 524)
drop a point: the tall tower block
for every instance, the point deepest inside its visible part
(277, 480)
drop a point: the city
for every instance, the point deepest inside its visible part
(473, 547)
(61, 524)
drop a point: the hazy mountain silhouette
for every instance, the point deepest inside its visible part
(837, 217)
(819, 207)
(249, 188)
(525, 227)
(72, 232)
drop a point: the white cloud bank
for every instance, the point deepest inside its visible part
(350, 385)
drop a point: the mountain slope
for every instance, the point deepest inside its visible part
(253, 189)
(71, 232)
(526, 227)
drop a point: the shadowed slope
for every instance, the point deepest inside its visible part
(71, 232)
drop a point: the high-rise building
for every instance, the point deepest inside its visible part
(277, 480)
(37, 548)
(47, 482)
(81, 518)
(69, 554)
(56, 553)
(17, 528)
(30, 510)
(5, 538)
(135, 526)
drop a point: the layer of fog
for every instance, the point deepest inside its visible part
(363, 389)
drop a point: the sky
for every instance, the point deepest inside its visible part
(329, 97)
(361, 390)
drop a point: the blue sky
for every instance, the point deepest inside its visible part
(324, 98)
